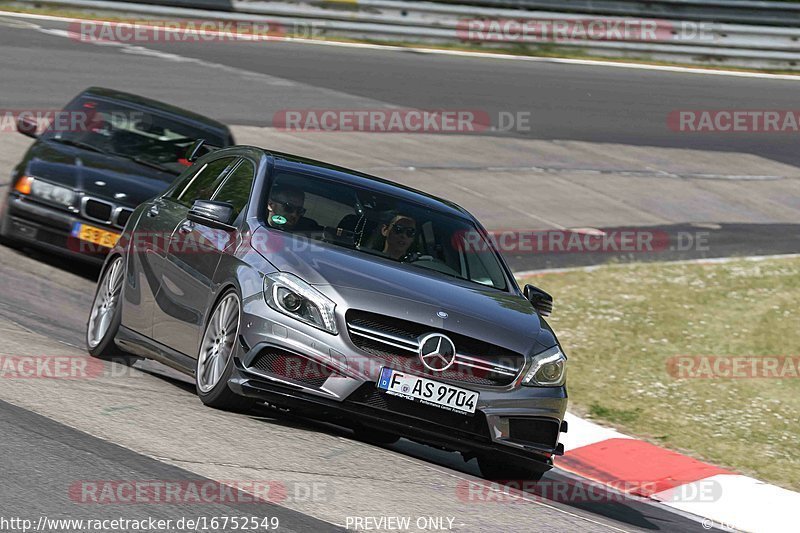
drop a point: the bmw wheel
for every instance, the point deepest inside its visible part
(106, 313)
(215, 360)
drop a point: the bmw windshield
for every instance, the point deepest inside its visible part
(144, 136)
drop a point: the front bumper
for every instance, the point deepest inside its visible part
(524, 422)
(49, 228)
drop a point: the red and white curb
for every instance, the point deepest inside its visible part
(724, 499)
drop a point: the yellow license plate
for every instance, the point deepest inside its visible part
(95, 235)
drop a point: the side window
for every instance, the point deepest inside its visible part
(236, 188)
(203, 183)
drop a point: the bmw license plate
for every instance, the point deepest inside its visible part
(104, 238)
(427, 391)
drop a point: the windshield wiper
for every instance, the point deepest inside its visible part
(79, 144)
(147, 162)
(153, 164)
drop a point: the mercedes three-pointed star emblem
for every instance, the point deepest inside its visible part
(437, 352)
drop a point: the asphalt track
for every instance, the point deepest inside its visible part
(597, 145)
(146, 424)
(247, 82)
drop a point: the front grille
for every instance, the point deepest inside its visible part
(396, 342)
(292, 367)
(122, 214)
(105, 212)
(368, 395)
(534, 430)
(97, 210)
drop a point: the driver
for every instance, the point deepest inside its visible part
(399, 234)
(285, 210)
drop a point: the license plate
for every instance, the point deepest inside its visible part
(427, 391)
(95, 235)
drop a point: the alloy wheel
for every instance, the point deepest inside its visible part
(218, 343)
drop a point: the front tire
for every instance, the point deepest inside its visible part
(215, 359)
(106, 313)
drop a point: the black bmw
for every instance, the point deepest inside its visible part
(107, 152)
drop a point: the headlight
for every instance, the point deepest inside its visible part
(46, 190)
(294, 297)
(548, 369)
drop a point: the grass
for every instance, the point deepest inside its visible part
(621, 324)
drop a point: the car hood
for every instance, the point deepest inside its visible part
(100, 175)
(358, 281)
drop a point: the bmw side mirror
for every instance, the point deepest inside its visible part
(216, 215)
(541, 301)
(27, 126)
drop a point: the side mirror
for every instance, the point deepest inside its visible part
(541, 301)
(27, 126)
(217, 215)
(197, 150)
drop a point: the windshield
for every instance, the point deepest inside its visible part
(143, 136)
(381, 225)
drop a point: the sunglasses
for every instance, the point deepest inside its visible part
(289, 207)
(408, 230)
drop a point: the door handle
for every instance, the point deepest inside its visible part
(153, 211)
(186, 226)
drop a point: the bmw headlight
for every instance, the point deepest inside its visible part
(45, 190)
(290, 295)
(548, 369)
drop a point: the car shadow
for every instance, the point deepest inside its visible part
(570, 491)
(557, 488)
(86, 270)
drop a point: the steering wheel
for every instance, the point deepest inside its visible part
(416, 256)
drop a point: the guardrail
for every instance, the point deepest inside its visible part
(520, 31)
(220, 5)
(733, 11)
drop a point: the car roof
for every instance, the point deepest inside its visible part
(113, 94)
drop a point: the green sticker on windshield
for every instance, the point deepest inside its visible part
(278, 219)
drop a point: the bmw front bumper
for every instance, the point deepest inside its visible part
(47, 228)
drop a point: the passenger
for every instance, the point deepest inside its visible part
(399, 234)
